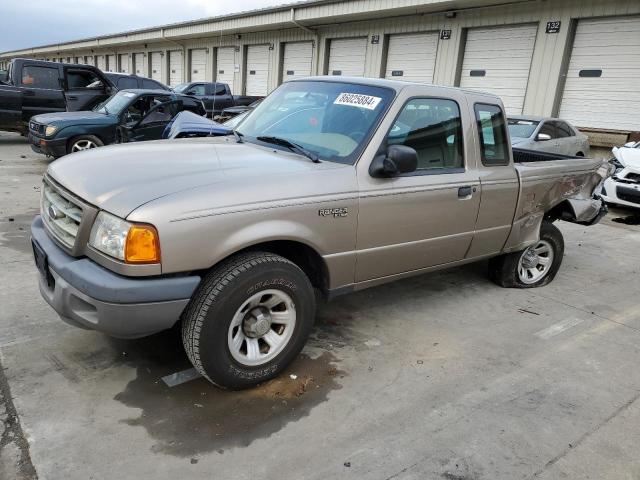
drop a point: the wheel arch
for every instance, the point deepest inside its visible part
(306, 257)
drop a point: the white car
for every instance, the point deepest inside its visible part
(623, 188)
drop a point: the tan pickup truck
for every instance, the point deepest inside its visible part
(330, 185)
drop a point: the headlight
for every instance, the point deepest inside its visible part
(131, 243)
(50, 130)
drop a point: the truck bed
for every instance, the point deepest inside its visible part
(548, 181)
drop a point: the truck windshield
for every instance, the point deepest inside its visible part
(330, 119)
(521, 128)
(115, 104)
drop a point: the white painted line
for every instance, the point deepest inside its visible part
(179, 378)
(558, 328)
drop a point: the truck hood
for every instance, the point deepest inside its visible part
(121, 178)
(74, 118)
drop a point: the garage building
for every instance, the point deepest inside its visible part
(579, 60)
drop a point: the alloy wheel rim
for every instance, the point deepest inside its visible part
(262, 327)
(535, 262)
(83, 145)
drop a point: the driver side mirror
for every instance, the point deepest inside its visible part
(399, 159)
(543, 137)
(191, 93)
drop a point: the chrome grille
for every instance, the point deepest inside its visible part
(36, 128)
(61, 215)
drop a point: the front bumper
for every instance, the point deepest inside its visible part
(631, 193)
(89, 296)
(54, 148)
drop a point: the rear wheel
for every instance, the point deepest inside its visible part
(248, 320)
(84, 142)
(533, 267)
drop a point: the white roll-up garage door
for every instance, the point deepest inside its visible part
(123, 63)
(225, 65)
(412, 57)
(347, 57)
(498, 60)
(139, 68)
(257, 74)
(101, 62)
(88, 60)
(156, 66)
(175, 67)
(602, 87)
(198, 65)
(111, 63)
(297, 60)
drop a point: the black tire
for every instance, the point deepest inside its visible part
(503, 270)
(208, 317)
(81, 138)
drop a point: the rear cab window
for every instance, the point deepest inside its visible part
(494, 147)
(40, 77)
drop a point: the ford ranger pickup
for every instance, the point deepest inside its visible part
(331, 185)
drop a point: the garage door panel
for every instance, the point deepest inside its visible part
(412, 57)
(504, 55)
(156, 66)
(198, 65)
(111, 63)
(225, 65)
(123, 63)
(257, 74)
(176, 62)
(138, 63)
(297, 60)
(611, 100)
(347, 57)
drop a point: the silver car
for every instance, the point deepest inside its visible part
(547, 134)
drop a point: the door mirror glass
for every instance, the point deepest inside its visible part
(398, 160)
(543, 137)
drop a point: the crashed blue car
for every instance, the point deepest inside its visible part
(188, 125)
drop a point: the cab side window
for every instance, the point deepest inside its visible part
(40, 77)
(82, 79)
(493, 135)
(432, 127)
(564, 130)
(548, 128)
(197, 89)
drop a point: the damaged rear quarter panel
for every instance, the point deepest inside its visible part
(544, 185)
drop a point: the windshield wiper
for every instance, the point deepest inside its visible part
(294, 147)
(238, 136)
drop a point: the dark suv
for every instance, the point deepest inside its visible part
(128, 116)
(124, 81)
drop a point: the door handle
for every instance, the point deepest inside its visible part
(466, 192)
(29, 93)
(72, 97)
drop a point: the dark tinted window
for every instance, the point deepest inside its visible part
(548, 128)
(432, 127)
(563, 130)
(197, 89)
(220, 89)
(146, 83)
(492, 132)
(78, 79)
(40, 77)
(127, 82)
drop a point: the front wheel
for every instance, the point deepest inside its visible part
(84, 142)
(248, 320)
(533, 267)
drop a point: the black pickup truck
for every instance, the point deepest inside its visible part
(34, 87)
(215, 96)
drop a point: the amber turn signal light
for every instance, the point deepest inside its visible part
(143, 245)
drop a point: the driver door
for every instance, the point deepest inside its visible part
(153, 123)
(83, 89)
(423, 218)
